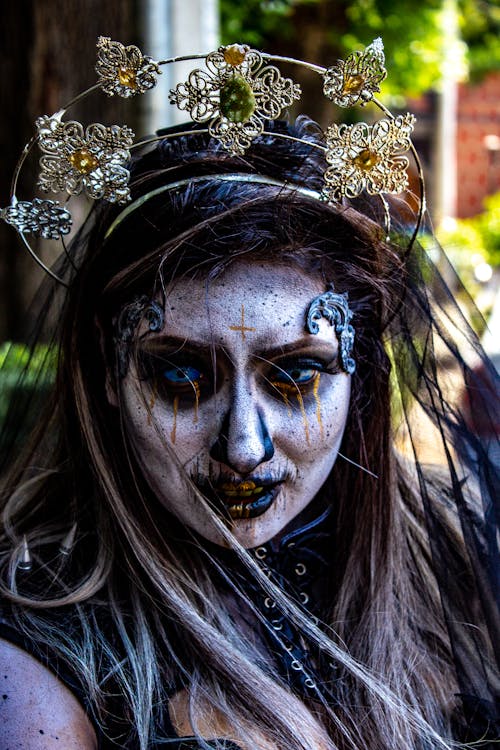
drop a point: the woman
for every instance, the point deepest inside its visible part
(221, 530)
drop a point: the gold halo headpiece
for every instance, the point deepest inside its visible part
(231, 98)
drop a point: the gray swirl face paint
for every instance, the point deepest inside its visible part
(334, 307)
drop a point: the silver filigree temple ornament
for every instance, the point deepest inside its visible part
(93, 160)
(124, 71)
(237, 93)
(334, 308)
(45, 218)
(131, 315)
(238, 90)
(356, 79)
(367, 157)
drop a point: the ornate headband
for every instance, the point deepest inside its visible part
(233, 96)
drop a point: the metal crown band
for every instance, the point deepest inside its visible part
(227, 177)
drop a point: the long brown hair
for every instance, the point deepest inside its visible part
(141, 592)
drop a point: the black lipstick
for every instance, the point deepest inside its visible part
(245, 499)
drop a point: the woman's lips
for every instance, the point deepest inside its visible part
(246, 499)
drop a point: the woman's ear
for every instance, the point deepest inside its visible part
(110, 384)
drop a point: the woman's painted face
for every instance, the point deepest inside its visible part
(252, 404)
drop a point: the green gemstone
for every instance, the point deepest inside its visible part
(237, 100)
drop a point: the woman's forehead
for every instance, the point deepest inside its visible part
(256, 303)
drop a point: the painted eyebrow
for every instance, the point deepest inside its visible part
(304, 345)
(177, 344)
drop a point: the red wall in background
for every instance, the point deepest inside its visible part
(478, 168)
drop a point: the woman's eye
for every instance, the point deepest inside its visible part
(177, 377)
(181, 375)
(295, 379)
(296, 375)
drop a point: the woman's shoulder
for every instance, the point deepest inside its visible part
(37, 709)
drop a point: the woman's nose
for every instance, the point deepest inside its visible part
(244, 441)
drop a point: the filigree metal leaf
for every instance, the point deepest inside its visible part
(367, 157)
(44, 218)
(236, 94)
(92, 160)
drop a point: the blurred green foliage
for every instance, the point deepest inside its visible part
(470, 242)
(17, 358)
(412, 31)
(25, 375)
(480, 29)
(479, 235)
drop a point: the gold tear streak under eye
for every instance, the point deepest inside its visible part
(318, 403)
(196, 387)
(287, 404)
(152, 401)
(304, 415)
(174, 425)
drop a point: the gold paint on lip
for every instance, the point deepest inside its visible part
(247, 488)
(247, 484)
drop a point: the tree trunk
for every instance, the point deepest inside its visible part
(48, 51)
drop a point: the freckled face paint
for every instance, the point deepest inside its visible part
(256, 417)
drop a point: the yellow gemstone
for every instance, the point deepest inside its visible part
(83, 161)
(126, 77)
(237, 100)
(353, 84)
(234, 54)
(366, 160)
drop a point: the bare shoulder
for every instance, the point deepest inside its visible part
(38, 712)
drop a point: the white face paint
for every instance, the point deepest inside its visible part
(252, 404)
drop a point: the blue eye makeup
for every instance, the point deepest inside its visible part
(184, 375)
(300, 375)
(297, 375)
(176, 377)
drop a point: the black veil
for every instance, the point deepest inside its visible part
(446, 413)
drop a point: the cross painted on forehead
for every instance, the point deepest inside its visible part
(242, 328)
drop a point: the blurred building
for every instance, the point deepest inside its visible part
(172, 28)
(476, 131)
(478, 144)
